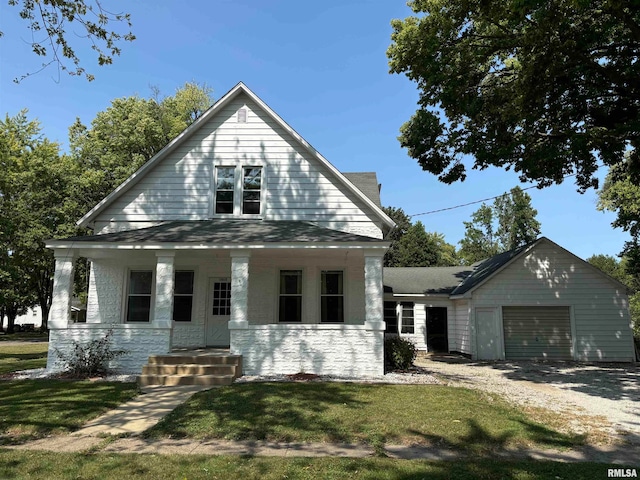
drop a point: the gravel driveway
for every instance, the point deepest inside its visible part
(609, 390)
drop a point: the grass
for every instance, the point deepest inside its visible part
(30, 409)
(24, 337)
(32, 464)
(374, 414)
(22, 357)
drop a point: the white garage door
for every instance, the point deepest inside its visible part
(537, 333)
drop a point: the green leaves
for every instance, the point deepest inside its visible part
(51, 17)
(546, 88)
(510, 223)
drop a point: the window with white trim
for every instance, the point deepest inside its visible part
(139, 295)
(238, 190)
(225, 188)
(251, 190)
(290, 298)
(183, 295)
(407, 318)
(332, 296)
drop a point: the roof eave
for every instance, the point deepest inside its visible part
(62, 244)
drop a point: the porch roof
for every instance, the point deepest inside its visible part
(223, 232)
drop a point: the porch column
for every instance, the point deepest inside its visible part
(62, 287)
(163, 311)
(239, 289)
(373, 290)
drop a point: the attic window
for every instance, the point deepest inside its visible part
(242, 115)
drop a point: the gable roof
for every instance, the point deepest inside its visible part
(220, 233)
(424, 280)
(367, 183)
(484, 269)
(206, 116)
(457, 281)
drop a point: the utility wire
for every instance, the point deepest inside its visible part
(480, 201)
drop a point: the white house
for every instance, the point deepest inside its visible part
(237, 234)
(536, 302)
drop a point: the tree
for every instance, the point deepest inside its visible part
(621, 194)
(546, 88)
(128, 133)
(38, 202)
(510, 223)
(517, 223)
(49, 20)
(417, 248)
(412, 246)
(479, 241)
(403, 223)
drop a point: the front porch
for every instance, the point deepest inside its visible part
(303, 306)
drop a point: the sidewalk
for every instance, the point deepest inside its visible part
(136, 416)
(620, 455)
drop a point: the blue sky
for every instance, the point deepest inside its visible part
(321, 66)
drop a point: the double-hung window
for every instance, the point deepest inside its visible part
(332, 296)
(139, 295)
(183, 296)
(251, 188)
(407, 318)
(290, 301)
(238, 190)
(225, 188)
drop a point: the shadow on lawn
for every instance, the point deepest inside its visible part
(32, 408)
(480, 440)
(280, 412)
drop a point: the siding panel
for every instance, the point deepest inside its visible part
(298, 187)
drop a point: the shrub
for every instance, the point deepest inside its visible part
(89, 359)
(399, 353)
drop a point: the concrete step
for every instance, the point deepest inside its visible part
(173, 380)
(188, 369)
(175, 359)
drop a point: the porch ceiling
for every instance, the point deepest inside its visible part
(224, 233)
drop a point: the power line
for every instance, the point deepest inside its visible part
(483, 200)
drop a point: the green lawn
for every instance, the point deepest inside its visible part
(375, 414)
(32, 408)
(24, 336)
(22, 357)
(24, 464)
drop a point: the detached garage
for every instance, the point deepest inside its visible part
(536, 302)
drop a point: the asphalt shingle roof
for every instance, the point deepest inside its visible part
(424, 280)
(367, 183)
(228, 232)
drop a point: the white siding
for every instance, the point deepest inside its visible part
(298, 187)
(459, 328)
(550, 276)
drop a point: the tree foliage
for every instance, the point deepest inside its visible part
(129, 132)
(546, 88)
(510, 223)
(37, 203)
(50, 21)
(621, 194)
(413, 246)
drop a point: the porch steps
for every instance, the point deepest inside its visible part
(202, 367)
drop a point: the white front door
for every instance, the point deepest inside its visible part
(218, 312)
(488, 335)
